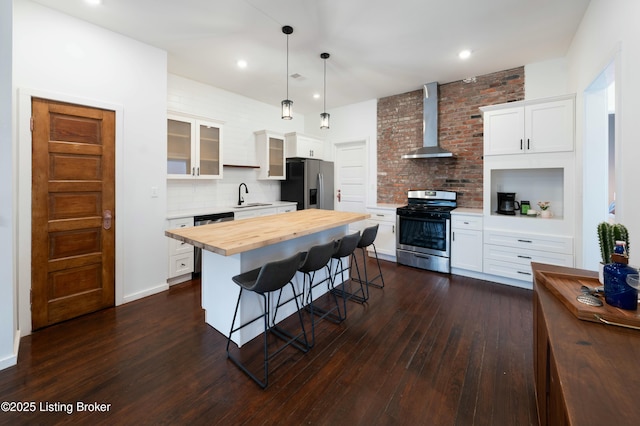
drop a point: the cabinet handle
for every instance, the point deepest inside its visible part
(528, 143)
(198, 171)
(379, 215)
(524, 273)
(466, 223)
(453, 236)
(393, 229)
(524, 257)
(525, 241)
(193, 171)
(521, 144)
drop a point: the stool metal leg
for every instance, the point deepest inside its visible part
(269, 327)
(317, 311)
(370, 282)
(346, 293)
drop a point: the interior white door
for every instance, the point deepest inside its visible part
(351, 178)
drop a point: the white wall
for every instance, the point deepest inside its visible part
(8, 283)
(60, 57)
(241, 116)
(356, 122)
(546, 79)
(608, 27)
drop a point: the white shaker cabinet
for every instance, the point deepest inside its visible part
(270, 151)
(180, 253)
(194, 148)
(525, 127)
(304, 146)
(466, 241)
(509, 254)
(385, 240)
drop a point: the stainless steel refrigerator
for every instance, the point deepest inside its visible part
(309, 183)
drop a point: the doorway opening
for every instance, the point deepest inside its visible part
(599, 161)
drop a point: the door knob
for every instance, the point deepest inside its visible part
(106, 219)
(339, 195)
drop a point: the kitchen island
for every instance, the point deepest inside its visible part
(231, 248)
(585, 371)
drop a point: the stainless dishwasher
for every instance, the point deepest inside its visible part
(206, 219)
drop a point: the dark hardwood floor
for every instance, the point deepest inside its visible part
(428, 349)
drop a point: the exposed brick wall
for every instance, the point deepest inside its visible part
(459, 131)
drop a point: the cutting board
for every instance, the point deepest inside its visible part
(567, 287)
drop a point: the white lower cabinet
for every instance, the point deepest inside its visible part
(245, 214)
(466, 241)
(509, 254)
(385, 241)
(180, 254)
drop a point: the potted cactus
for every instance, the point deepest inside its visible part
(608, 234)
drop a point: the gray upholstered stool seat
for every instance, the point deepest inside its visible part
(367, 239)
(314, 260)
(345, 248)
(271, 277)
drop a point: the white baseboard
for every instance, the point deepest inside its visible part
(148, 292)
(12, 360)
(493, 278)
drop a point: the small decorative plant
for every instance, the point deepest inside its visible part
(608, 234)
(544, 205)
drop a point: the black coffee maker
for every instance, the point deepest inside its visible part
(507, 203)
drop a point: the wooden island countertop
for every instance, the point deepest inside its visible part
(229, 238)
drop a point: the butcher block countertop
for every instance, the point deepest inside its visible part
(229, 238)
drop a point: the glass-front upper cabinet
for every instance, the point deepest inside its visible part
(270, 149)
(194, 148)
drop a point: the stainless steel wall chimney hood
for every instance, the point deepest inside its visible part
(430, 147)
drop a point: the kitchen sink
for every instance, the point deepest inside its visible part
(253, 205)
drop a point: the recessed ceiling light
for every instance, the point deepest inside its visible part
(316, 96)
(465, 54)
(242, 64)
(93, 2)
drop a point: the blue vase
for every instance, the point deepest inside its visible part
(616, 290)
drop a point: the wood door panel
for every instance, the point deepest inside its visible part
(70, 282)
(75, 129)
(73, 205)
(74, 243)
(75, 167)
(73, 224)
(73, 306)
(74, 262)
(73, 188)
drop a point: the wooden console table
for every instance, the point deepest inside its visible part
(586, 373)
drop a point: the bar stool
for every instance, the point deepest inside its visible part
(271, 277)
(346, 247)
(315, 259)
(367, 239)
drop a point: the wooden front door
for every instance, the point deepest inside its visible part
(72, 211)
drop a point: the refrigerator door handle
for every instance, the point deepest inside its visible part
(320, 190)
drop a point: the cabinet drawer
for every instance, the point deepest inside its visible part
(542, 242)
(179, 247)
(286, 209)
(508, 269)
(379, 215)
(180, 264)
(466, 222)
(525, 257)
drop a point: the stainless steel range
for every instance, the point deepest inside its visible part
(423, 239)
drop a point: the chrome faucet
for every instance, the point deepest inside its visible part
(246, 191)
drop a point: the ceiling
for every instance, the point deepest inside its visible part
(378, 48)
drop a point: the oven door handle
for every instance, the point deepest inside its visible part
(422, 256)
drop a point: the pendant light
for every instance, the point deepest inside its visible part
(324, 117)
(287, 104)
